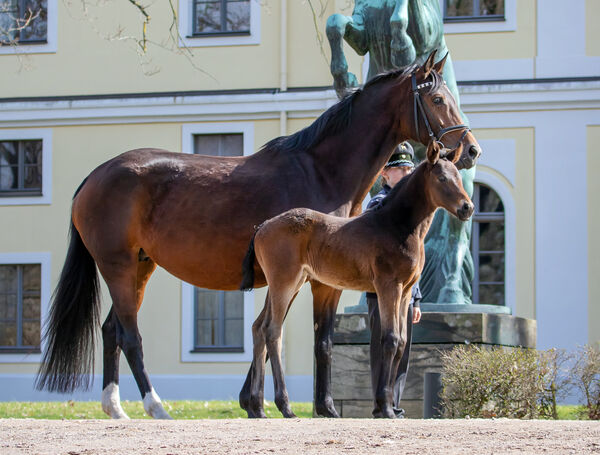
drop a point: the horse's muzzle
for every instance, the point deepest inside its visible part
(468, 161)
(465, 211)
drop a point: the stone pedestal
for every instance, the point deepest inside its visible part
(437, 332)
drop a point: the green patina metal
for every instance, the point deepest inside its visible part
(398, 33)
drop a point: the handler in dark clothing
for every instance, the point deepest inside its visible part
(399, 165)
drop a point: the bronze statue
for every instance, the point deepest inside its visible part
(398, 33)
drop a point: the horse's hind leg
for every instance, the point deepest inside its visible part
(126, 278)
(111, 400)
(244, 398)
(325, 302)
(253, 402)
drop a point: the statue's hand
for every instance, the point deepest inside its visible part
(342, 82)
(402, 49)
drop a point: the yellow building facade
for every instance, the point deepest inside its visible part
(530, 84)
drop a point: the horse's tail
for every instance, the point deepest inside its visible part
(70, 330)
(248, 266)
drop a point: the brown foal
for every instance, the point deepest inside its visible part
(380, 251)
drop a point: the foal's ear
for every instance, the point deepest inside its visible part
(439, 66)
(433, 152)
(429, 64)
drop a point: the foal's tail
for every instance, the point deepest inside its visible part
(248, 266)
(74, 315)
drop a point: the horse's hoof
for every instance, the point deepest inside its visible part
(327, 411)
(288, 414)
(256, 413)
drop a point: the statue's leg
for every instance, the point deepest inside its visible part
(458, 251)
(335, 30)
(402, 48)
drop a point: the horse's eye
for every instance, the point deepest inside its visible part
(442, 178)
(438, 100)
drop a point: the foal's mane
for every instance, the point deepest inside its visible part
(337, 118)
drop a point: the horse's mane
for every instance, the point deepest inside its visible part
(337, 117)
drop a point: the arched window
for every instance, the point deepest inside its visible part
(488, 247)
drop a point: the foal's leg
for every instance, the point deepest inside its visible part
(244, 398)
(280, 304)
(126, 279)
(389, 296)
(325, 302)
(256, 375)
(111, 400)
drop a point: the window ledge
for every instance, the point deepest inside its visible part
(25, 350)
(217, 349)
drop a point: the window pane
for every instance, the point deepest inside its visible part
(32, 153)
(491, 7)
(207, 304)
(459, 8)
(31, 333)
(31, 308)
(8, 307)
(9, 10)
(491, 236)
(8, 279)
(8, 334)
(205, 333)
(489, 201)
(234, 304)
(219, 144)
(36, 29)
(32, 274)
(234, 332)
(9, 161)
(238, 15)
(491, 267)
(491, 294)
(208, 17)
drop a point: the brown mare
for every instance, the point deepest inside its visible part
(381, 251)
(194, 216)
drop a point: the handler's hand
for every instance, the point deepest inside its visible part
(416, 315)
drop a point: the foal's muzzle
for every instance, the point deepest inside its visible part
(465, 211)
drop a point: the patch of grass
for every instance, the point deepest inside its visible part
(178, 409)
(571, 412)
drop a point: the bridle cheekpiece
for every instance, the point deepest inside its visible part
(421, 108)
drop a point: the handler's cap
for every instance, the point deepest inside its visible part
(402, 156)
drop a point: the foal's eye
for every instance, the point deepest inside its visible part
(438, 100)
(442, 178)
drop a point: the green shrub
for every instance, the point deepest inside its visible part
(585, 377)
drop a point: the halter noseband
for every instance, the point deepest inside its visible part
(419, 106)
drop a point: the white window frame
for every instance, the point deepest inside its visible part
(187, 290)
(502, 190)
(44, 259)
(51, 36)
(45, 135)
(509, 24)
(188, 40)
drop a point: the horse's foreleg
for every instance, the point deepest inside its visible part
(325, 302)
(111, 400)
(392, 317)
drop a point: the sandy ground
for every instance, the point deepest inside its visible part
(306, 436)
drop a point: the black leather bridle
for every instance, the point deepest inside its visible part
(421, 108)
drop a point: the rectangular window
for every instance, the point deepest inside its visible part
(473, 10)
(21, 168)
(23, 21)
(217, 17)
(219, 315)
(20, 307)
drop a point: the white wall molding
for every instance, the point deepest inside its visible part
(45, 260)
(490, 70)
(45, 134)
(19, 387)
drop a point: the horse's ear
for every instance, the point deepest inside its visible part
(433, 152)
(429, 64)
(439, 66)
